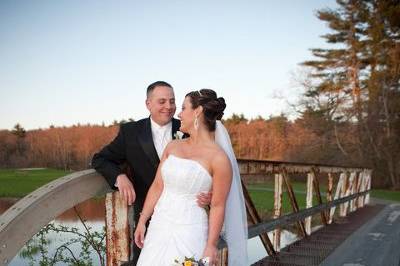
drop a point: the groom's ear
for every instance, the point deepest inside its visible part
(147, 102)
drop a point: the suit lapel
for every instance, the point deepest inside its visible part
(145, 138)
(176, 124)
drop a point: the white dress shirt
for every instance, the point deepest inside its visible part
(162, 135)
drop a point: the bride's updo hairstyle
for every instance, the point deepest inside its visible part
(213, 106)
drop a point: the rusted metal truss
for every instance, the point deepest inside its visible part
(352, 181)
(291, 218)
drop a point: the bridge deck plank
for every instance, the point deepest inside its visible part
(377, 242)
(317, 247)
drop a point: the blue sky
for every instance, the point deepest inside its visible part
(66, 62)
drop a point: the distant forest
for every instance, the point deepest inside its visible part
(348, 114)
(310, 138)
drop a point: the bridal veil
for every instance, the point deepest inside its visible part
(235, 222)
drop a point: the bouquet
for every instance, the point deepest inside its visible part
(192, 262)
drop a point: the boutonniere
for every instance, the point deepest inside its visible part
(178, 135)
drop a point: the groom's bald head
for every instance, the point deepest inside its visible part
(156, 84)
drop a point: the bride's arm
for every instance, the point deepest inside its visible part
(222, 178)
(152, 197)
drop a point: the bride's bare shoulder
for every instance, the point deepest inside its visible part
(219, 157)
(221, 166)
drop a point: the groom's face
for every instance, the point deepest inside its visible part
(161, 104)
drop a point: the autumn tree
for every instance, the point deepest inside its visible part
(355, 84)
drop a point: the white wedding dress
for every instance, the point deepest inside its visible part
(178, 226)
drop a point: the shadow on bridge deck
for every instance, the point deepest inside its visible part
(324, 243)
(377, 242)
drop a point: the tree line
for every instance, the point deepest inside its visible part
(309, 139)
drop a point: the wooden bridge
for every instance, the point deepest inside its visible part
(351, 192)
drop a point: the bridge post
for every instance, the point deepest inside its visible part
(349, 191)
(309, 198)
(358, 189)
(223, 257)
(368, 184)
(342, 189)
(339, 189)
(356, 201)
(364, 187)
(353, 177)
(329, 195)
(118, 229)
(352, 190)
(276, 240)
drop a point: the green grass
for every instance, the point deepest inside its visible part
(386, 194)
(299, 186)
(18, 183)
(264, 200)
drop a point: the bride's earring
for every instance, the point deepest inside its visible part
(196, 123)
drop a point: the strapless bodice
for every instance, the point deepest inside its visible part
(183, 180)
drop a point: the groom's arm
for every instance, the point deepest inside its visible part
(107, 162)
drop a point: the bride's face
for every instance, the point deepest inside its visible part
(187, 116)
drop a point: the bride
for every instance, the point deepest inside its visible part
(205, 161)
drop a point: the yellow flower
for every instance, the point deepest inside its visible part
(188, 263)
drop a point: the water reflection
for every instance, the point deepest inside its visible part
(92, 210)
(257, 251)
(66, 239)
(62, 245)
(93, 213)
(6, 203)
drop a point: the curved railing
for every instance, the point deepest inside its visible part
(26, 217)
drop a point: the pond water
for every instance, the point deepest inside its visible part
(65, 236)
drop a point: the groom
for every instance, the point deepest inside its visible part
(140, 145)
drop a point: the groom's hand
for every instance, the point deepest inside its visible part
(204, 199)
(125, 187)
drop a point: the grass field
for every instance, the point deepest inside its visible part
(263, 196)
(297, 186)
(264, 201)
(386, 194)
(18, 183)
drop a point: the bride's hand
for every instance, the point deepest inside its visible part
(211, 251)
(139, 234)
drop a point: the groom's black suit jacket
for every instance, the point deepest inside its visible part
(134, 147)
